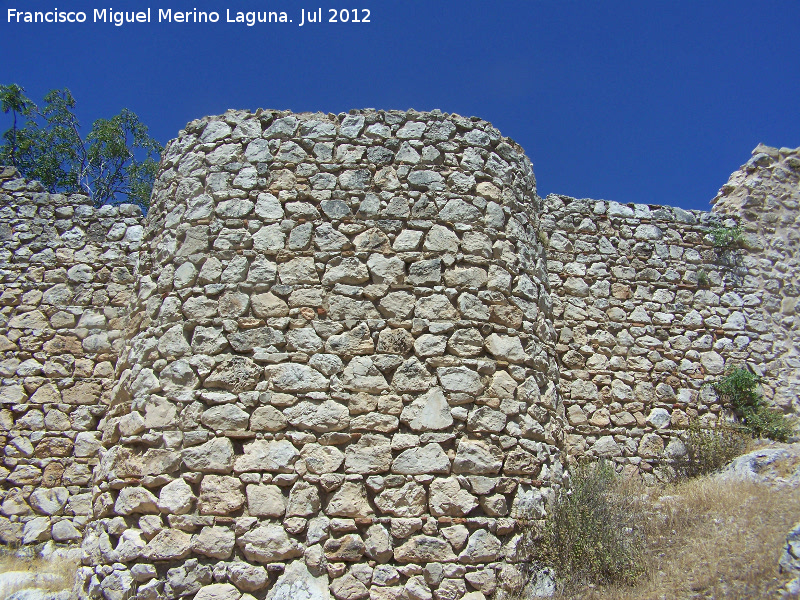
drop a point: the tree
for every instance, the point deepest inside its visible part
(116, 161)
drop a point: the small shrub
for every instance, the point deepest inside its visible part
(764, 422)
(727, 237)
(702, 279)
(740, 390)
(708, 449)
(593, 533)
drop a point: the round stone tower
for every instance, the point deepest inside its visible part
(340, 371)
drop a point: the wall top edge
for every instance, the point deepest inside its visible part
(370, 114)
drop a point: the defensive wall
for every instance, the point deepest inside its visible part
(649, 311)
(345, 353)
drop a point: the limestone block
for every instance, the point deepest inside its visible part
(412, 376)
(135, 500)
(378, 544)
(214, 542)
(220, 495)
(395, 341)
(505, 348)
(651, 446)
(218, 591)
(293, 377)
(236, 374)
(483, 419)
(435, 307)
(324, 417)
(350, 343)
(224, 418)
(430, 345)
(349, 501)
(267, 455)
(607, 447)
(410, 500)
(447, 498)
(371, 454)
(304, 500)
(268, 543)
(361, 375)
(428, 459)
(265, 501)
(168, 544)
(424, 549)
(349, 588)
(322, 459)
(348, 548)
(176, 498)
(215, 456)
(460, 380)
(247, 577)
(476, 457)
(428, 412)
(49, 501)
(297, 583)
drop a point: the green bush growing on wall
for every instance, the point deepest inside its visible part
(727, 237)
(740, 390)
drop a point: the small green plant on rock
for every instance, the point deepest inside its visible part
(740, 390)
(727, 237)
(702, 279)
(593, 533)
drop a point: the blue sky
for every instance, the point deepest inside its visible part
(652, 102)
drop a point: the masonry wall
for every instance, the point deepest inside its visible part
(764, 198)
(649, 311)
(341, 363)
(66, 274)
(344, 353)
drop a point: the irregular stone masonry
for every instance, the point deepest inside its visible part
(338, 366)
(67, 272)
(341, 352)
(641, 333)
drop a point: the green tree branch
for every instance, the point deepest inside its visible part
(116, 161)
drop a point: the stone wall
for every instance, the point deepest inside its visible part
(764, 198)
(340, 353)
(347, 352)
(648, 310)
(66, 274)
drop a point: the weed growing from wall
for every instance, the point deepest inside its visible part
(740, 390)
(727, 237)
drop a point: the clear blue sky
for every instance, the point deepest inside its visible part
(653, 102)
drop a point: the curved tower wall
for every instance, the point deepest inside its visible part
(340, 357)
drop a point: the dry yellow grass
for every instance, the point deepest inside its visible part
(50, 575)
(710, 538)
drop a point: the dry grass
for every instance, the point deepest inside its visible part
(710, 538)
(49, 575)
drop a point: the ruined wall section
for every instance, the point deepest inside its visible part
(341, 359)
(66, 274)
(764, 199)
(649, 310)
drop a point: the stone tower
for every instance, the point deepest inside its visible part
(339, 370)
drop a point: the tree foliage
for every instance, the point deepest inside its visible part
(116, 161)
